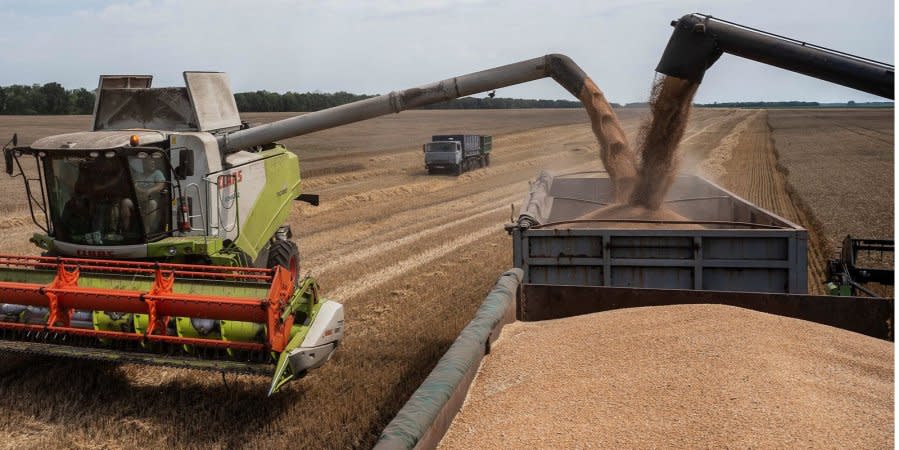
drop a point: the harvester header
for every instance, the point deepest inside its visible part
(201, 317)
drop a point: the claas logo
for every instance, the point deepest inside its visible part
(230, 179)
(95, 253)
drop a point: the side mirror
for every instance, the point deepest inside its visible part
(15, 139)
(185, 163)
(424, 147)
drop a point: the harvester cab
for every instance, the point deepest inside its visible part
(152, 236)
(149, 181)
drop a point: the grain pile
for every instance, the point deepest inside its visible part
(633, 217)
(679, 376)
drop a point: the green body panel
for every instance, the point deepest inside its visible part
(43, 241)
(184, 247)
(114, 322)
(233, 330)
(843, 290)
(141, 323)
(246, 289)
(282, 370)
(177, 249)
(275, 202)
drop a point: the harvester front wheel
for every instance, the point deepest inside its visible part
(285, 253)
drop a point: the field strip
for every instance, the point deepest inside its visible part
(713, 166)
(341, 179)
(715, 124)
(15, 221)
(856, 130)
(387, 246)
(350, 290)
(425, 186)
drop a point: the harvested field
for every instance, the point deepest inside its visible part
(682, 376)
(845, 185)
(826, 170)
(410, 255)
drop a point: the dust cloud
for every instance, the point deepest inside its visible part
(645, 188)
(670, 104)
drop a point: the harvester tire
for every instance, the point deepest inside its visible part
(487, 160)
(458, 170)
(286, 254)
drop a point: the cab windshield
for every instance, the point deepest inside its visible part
(441, 147)
(102, 198)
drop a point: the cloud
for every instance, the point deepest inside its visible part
(375, 47)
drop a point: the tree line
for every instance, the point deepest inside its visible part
(264, 101)
(50, 98)
(789, 104)
(53, 98)
(502, 103)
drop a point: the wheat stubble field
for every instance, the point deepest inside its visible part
(411, 256)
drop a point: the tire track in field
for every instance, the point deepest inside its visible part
(763, 182)
(360, 261)
(383, 247)
(713, 165)
(395, 196)
(348, 291)
(713, 125)
(15, 222)
(697, 148)
(877, 136)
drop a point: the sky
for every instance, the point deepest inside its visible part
(374, 47)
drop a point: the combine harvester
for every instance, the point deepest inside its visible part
(727, 251)
(163, 230)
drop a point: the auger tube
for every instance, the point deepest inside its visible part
(560, 67)
(699, 40)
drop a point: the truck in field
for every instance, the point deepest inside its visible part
(457, 153)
